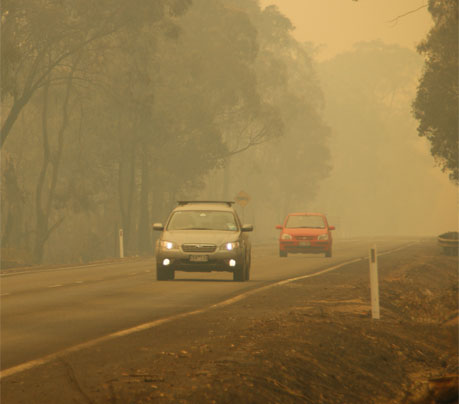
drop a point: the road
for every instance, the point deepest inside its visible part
(48, 310)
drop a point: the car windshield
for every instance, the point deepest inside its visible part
(202, 220)
(300, 221)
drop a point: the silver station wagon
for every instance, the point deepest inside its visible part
(203, 236)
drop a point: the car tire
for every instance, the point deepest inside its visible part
(164, 274)
(239, 273)
(247, 268)
(283, 254)
(328, 254)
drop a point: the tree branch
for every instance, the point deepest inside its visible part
(395, 20)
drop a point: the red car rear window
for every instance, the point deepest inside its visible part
(314, 222)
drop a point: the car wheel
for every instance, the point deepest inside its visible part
(283, 253)
(164, 274)
(239, 273)
(247, 268)
(328, 254)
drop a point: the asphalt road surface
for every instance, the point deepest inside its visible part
(44, 311)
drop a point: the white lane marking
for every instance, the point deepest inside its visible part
(35, 271)
(49, 358)
(50, 287)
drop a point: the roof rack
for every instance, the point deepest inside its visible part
(181, 203)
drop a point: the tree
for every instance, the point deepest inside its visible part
(436, 102)
(40, 41)
(207, 106)
(39, 37)
(282, 173)
(125, 109)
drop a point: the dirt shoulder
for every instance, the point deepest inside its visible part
(309, 341)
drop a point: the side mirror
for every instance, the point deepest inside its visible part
(247, 227)
(158, 226)
(279, 227)
(331, 227)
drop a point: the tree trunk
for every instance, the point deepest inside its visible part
(144, 228)
(12, 117)
(41, 226)
(126, 189)
(43, 210)
(12, 207)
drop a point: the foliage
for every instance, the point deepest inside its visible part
(283, 174)
(113, 111)
(436, 103)
(39, 37)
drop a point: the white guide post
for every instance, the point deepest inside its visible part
(374, 286)
(121, 244)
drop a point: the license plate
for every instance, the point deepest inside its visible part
(199, 258)
(305, 243)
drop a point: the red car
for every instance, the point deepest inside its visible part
(305, 233)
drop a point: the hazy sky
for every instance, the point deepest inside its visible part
(337, 24)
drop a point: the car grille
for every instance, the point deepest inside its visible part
(199, 247)
(304, 238)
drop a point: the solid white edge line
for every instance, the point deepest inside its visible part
(36, 271)
(49, 358)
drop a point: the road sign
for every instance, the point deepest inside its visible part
(242, 198)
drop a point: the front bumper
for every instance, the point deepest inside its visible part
(215, 261)
(299, 246)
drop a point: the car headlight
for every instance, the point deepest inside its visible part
(286, 236)
(168, 245)
(229, 246)
(322, 237)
